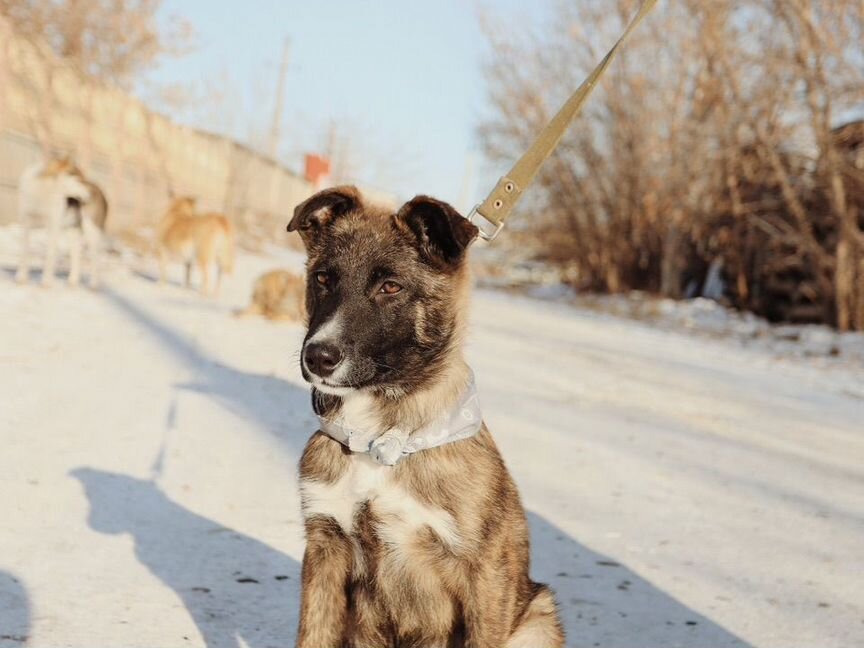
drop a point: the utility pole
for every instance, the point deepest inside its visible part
(466, 194)
(332, 153)
(339, 152)
(273, 149)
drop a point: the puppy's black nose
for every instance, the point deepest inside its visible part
(321, 358)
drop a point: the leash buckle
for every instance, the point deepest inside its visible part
(488, 229)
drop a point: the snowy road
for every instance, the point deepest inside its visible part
(682, 491)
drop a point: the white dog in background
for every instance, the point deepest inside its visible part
(55, 193)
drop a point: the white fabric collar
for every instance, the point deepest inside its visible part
(462, 421)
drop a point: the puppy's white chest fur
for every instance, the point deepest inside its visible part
(364, 481)
(399, 515)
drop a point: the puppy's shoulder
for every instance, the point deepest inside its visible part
(324, 459)
(448, 471)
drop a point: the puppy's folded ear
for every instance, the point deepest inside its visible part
(442, 233)
(315, 213)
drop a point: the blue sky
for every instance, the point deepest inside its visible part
(402, 80)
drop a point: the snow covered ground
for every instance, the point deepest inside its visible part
(682, 490)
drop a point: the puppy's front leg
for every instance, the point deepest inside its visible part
(487, 607)
(326, 567)
(75, 244)
(23, 273)
(50, 265)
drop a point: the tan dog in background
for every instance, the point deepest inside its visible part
(278, 295)
(56, 194)
(188, 236)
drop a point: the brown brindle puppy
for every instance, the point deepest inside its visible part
(432, 551)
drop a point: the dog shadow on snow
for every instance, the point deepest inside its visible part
(14, 611)
(34, 275)
(272, 404)
(242, 592)
(238, 590)
(604, 603)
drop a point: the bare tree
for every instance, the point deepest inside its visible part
(711, 149)
(110, 40)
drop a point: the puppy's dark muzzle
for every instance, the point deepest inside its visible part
(321, 359)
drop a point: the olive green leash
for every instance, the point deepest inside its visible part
(489, 216)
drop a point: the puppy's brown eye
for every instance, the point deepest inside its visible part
(322, 278)
(390, 288)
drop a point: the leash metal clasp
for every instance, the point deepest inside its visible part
(488, 229)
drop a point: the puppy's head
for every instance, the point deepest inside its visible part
(68, 178)
(182, 206)
(57, 166)
(385, 291)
